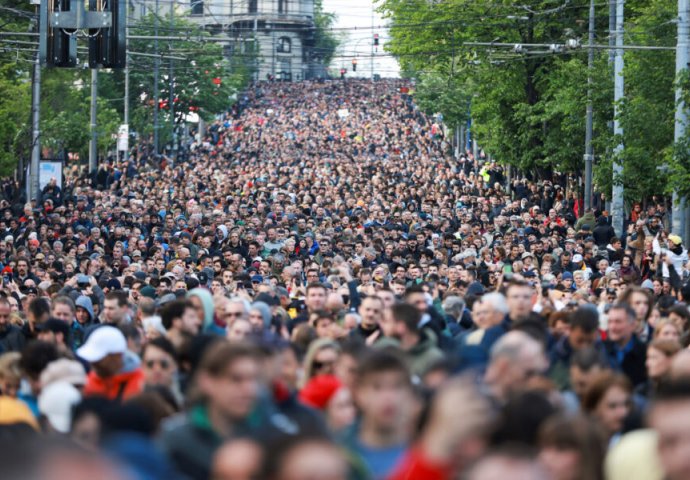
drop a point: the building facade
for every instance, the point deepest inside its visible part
(274, 37)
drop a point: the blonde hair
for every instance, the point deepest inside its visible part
(315, 347)
(9, 366)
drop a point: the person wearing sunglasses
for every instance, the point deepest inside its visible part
(159, 363)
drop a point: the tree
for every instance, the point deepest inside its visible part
(15, 103)
(203, 83)
(325, 41)
(528, 105)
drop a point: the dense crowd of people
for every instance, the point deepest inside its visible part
(318, 289)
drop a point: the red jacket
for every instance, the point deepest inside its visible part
(415, 465)
(118, 387)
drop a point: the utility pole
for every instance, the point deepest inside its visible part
(34, 187)
(93, 144)
(126, 106)
(372, 41)
(617, 207)
(171, 103)
(589, 149)
(679, 207)
(156, 73)
(612, 30)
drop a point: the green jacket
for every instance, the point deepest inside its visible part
(586, 219)
(421, 356)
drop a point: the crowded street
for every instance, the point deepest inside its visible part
(318, 287)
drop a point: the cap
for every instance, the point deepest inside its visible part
(257, 279)
(167, 298)
(567, 276)
(136, 253)
(577, 258)
(102, 342)
(675, 239)
(63, 370)
(34, 243)
(83, 279)
(56, 402)
(526, 255)
(148, 291)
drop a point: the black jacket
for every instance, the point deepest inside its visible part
(12, 339)
(633, 364)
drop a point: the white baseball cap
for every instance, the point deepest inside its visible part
(102, 342)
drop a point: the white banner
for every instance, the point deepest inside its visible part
(123, 138)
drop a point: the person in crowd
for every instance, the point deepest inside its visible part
(328, 394)
(572, 448)
(382, 434)
(608, 401)
(115, 371)
(227, 381)
(623, 347)
(660, 353)
(515, 359)
(160, 366)
(181, 322)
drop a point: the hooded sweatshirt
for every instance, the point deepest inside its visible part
(121, 386)
(209, 325)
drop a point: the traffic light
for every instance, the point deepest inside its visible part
(57, 45)
(354, 64)
(376, 39)
(342, 73)
(108, 46)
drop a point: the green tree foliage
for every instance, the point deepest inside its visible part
(326, 41)
(15, 86)
(528, 107)
(14, 115)
(203, 83)
(65, 114)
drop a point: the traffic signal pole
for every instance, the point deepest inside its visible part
(35, 130)
(93, 144)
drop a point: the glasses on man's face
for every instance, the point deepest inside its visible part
(163, 363)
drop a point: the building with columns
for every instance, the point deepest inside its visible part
(280, 32)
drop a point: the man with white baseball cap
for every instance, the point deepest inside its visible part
(116, 372)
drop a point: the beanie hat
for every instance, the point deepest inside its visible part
(319, 390)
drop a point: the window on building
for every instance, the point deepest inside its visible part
(282, 6)
(197, 7)
(284, 70)
(253, 6)
(284, 45)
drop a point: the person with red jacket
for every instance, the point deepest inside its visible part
(115, 371)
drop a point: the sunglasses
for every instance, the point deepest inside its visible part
(319, 365)
(164, 364)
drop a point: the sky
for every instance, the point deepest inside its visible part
(354, 15)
